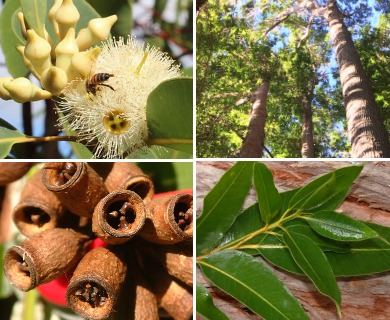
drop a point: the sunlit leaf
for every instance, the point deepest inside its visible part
(246, 223)
(222, 205)
(8, 137)
(35, 14)
(310, 258)
(252, 283)
(326, 192)
(338, 226)
(205, 306)
(267, 195)
(169, 114)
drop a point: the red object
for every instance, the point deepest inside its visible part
(54, 291)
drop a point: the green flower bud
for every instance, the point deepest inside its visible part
(66, 17)
(54, 80)
(4, 94)
(52, 12)
(22, 90)
(65, 51)
(37, 51)
(82, 62)
(97, 30)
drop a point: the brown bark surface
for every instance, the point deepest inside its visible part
(253, 144)
(368, 135)
(362, 297)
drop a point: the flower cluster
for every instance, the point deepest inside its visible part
(102, 91)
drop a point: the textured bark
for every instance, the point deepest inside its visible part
(362, 297)
(368, 135)
(307, 149)
(253, 144)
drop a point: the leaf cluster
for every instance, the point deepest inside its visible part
(298, 231)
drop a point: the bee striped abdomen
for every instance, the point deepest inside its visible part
(92, 84)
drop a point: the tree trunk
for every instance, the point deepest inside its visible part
(307, 149)
(367, 133)
(363, 298)
(253, 144)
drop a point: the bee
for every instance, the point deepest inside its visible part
(92, 84)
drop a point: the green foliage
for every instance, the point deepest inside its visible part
(297, 231)
(233, 55)
(169, 114)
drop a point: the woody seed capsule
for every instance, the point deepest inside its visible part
(43, 257)
(76, 184)
(38, 208)
(169, 219)
(96, 283)
(128, 176)
(119, 216)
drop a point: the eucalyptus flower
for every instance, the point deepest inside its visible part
(109, 112)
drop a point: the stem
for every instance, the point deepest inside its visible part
(168, 141)
(29, 305)
(239, 243)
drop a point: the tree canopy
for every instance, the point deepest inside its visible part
(290, 43)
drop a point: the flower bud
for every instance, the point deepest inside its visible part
(66, 17)
(98, 29)
(37, 51)
(54, 80)
(82, 61)
(22, 90)
(52, 12)
(4, 94)
(65, 51)
(20, 17)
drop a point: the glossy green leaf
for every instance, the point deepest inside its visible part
(10, 37)
(339, 227)
(326, 192)
(365, 257)
(8, 137)
(222, 205)
(35, 14)
(205, 306)
(267, 195)
(285, 198)
(275, 252)
(310, 258)
(169, 114)
(252, 283)
(246, 223)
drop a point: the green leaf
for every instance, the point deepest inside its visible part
(205, 306)
(252, 283)
(246, 223)
(35, 14)
(10, 37)
(169, 114)
(267, 194)
(365, 257)
(310, 258)
(275, 252)
(338, 226)
(222, 205)
(9, 136)
(326, 192)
